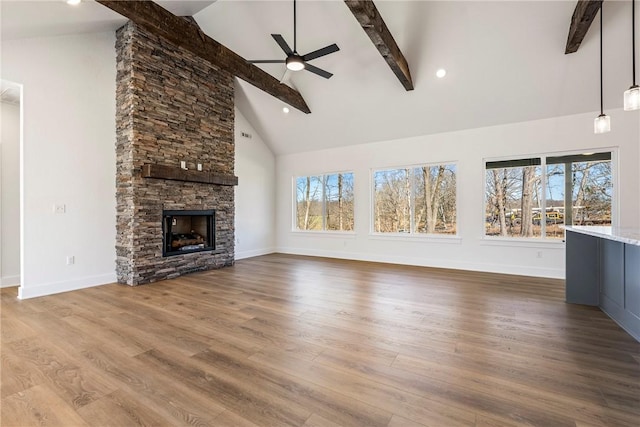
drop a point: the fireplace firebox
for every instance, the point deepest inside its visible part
(188, 231)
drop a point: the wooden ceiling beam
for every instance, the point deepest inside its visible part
(188, 35)
(583, 15)
(372, 23)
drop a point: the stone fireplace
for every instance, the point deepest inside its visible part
(175, 153)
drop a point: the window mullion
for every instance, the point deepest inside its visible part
(412, 201)
(324, 202)
(568, 193)
(543, 204)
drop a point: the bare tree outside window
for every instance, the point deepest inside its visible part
(415, 200)
(512, 196)
(590, 186)
(325, 202)
(392, 196)
(592, 193)
(309, 203)
(515, 206)
(339, 202)
(435, 199)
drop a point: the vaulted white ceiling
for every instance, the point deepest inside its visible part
(505, 63)
(41, 18)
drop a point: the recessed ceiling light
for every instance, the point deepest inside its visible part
(441, 73)
(285, 110)
(73, 2)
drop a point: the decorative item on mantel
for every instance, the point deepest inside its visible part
(180, 174)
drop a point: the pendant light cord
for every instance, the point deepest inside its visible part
(633, 38)
(601, 91)
(294, 27)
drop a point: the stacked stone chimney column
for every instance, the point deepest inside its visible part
(171, 106)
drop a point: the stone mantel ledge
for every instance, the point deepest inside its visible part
(627, 235)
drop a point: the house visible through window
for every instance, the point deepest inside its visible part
(416, 200)
(325, 202)
(577, 190)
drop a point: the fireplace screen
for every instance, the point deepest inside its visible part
(188, 231)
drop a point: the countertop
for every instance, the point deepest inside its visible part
(630, 236)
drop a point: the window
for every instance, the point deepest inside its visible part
(325, 202)
(417, 200)
(577, 190)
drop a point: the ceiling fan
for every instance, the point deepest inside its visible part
(295, 61)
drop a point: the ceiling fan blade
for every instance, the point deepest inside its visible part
(267, 61)
(318, 71)
(282, 43)
(321, 52)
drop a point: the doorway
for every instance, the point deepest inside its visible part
(10, 106)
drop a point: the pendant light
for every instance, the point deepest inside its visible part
(602, 123)
(632, 95)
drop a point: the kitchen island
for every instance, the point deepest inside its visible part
(603, 269)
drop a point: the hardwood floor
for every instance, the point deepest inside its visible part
(285, 340)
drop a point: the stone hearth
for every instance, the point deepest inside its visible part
(171, 106)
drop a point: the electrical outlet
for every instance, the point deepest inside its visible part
(59, 208)
(71, 260)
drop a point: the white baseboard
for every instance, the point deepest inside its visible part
(25, 292)
(254, 252)
(9, 281)
(521, 270)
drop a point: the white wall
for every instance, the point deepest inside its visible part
(10, 195)
(69, 158)
(468, 149)
(255, 194)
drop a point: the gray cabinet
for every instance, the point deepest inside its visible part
(582, 284)
(612, 271)
(605, 273)
(631, 312)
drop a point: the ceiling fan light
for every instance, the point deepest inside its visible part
(295, 63)
(602, 124)
(632, 98)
